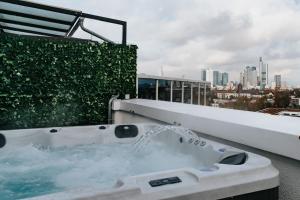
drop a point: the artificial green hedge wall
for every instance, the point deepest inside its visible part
(61, 82)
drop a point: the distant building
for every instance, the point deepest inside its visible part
(252, 77)
(239, 88)
(295, 101)
(174, 89)
(223, 94)
(208, 76)
(263, 74)
(216, 78)
(203, 75)
(225, 77)
(220, 79)
(231, 85)
(248, 78)
(277, 80)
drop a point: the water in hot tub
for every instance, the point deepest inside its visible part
(32, 171)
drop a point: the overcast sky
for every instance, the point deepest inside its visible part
(185, 36)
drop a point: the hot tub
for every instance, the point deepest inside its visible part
(140, 161)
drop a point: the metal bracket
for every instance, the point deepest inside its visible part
(81, 20)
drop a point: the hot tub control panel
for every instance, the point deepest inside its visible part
(165, 181)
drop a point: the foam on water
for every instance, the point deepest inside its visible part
(31, 171)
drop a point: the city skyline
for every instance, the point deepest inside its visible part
(185, 37)
(251, 77)
(215, 77)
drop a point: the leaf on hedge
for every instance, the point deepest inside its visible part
(9, 62)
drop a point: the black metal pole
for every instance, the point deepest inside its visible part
(124, 34)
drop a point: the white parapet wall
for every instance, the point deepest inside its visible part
(276, 134)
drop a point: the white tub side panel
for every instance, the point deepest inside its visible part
(282, 141)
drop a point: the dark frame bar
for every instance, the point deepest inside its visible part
(18, 14)
(43, 7)
(74, 28)
(28, 31)
(32, 25)
(110, 20)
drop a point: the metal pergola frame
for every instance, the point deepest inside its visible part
(73, 25)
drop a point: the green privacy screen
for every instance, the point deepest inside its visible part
(61, 82)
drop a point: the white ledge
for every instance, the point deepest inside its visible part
(276, 134)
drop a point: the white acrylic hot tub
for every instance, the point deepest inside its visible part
(129, 162)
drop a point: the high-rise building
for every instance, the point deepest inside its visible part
(216, 78)
(220, 79)
(203, 75)
(224, 79)
(263, 74)
(248, 78)
(252, 77)
(209, 76)
(242, 78)
(277, 79)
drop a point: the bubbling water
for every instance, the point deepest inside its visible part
(32, 171)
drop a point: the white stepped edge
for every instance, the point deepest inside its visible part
(276, 134)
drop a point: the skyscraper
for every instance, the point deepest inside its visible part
(203, 75)
(224, 79)
(220, 78)
(209, 76)
(215, 78)
(248, 78)
(277, 79)
(252, 77)
(263, 74)
(242, 78)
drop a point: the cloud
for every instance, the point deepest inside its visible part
(185, 36)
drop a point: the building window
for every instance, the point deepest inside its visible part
(177, 91)
(147, 88)
(195, 88)
(164, 90)
(209, 99)
(187, 92)
(202, 90)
